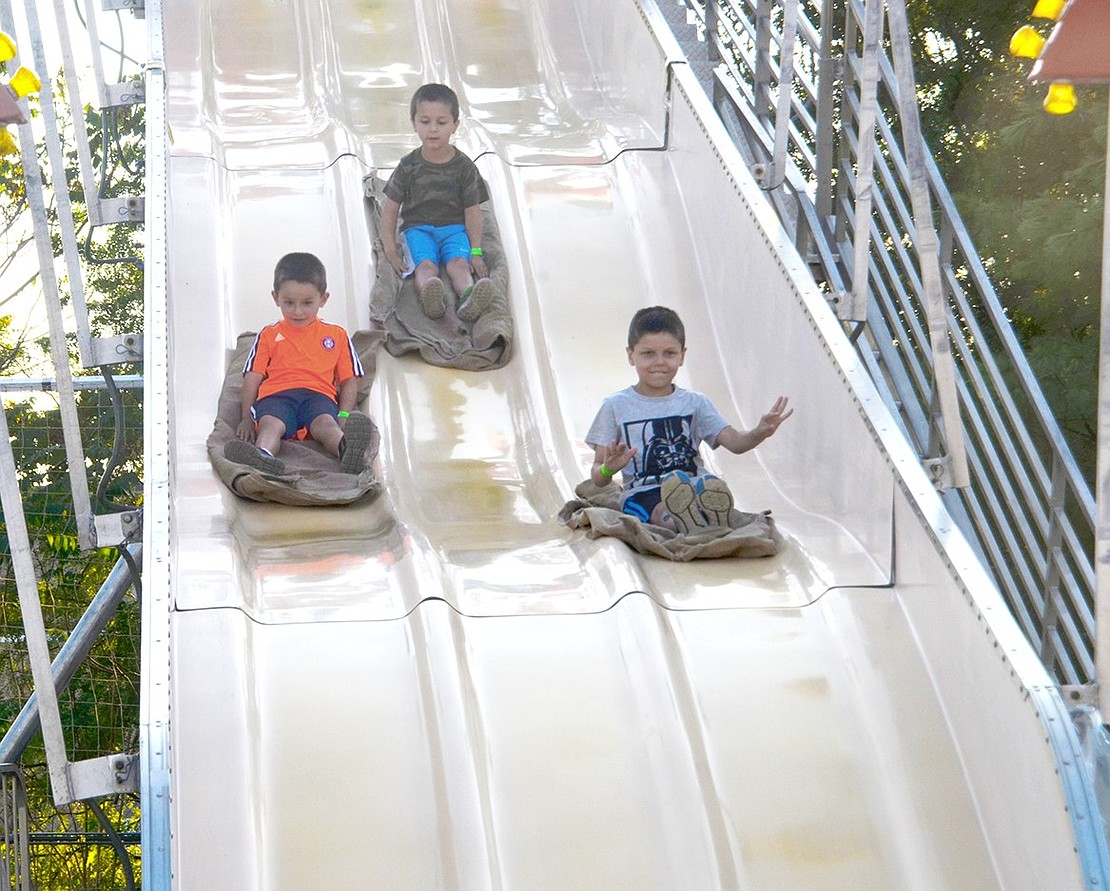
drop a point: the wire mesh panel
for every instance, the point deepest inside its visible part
(71, 848)
(14, 844)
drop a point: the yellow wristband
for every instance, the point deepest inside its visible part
(605, 471)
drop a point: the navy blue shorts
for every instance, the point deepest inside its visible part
(642, 502)
(295, 408)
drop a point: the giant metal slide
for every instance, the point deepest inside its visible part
(446, 688)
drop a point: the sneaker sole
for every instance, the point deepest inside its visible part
(431, 297)
(357, 434)
(715, 501)
(679, 497)
(480, 299)
(244, 453)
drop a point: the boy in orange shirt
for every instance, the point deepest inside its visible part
(300, 373)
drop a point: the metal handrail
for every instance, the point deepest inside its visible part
(1028, 509)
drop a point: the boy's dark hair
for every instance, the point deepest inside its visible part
(300, 267)
(435, 93)
(655, 320)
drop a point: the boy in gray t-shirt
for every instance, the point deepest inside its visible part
(650, 433)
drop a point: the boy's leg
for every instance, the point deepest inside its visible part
(458, 271)
(680, 498)
(242, 452)
(715, 500)
(357, 434)
(260, 454)
(325, 430)
(433, 296)
(476, 300)
(271, 431)
(424, 252)
(475, 297)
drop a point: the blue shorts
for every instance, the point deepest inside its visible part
(295, 408)
(642, 502)
(437, 243)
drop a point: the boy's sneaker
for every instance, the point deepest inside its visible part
(431, 296)
(476, 300)
(679, 496)
(357, 433)
(714, 499)
(242, 452)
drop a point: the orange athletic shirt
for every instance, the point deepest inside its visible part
(318, 357)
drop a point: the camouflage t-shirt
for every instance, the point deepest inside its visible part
(435, 194)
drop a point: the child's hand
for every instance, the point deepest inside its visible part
(617, 455)
(478, 264)
(395, 263)
(245, 430)
(770, 422)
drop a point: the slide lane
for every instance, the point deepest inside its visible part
(444, 687)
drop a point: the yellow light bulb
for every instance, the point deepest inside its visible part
(1060, 98)
(7, 142)
(7, 47)
(1049, 9)
(1026, 43)
(24, 81)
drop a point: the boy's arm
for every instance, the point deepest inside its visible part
(614, 458)
(388, 231)
(252, 380)
(347, 396)
(737, 441)
(472, 220)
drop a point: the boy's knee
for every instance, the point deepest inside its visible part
(271, 424)
(323, 422)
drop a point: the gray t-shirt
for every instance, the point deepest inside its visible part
(665, 431)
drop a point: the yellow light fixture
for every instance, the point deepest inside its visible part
(7, 47)
(7, 142)
(1049, 9)
(24, 81)
(1026, 43)
(1060, 98)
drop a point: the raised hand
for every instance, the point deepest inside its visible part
(770, 422)
(617, 455)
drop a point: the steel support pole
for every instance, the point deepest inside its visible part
(950, 470)
(854, 308)
(34, 627)
(1102, 486)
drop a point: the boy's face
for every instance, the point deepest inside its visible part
(299, 302)
(656, 358)
(434, 124)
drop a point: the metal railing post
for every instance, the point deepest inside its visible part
(1102, 486)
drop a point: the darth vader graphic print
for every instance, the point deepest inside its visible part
(662, 446)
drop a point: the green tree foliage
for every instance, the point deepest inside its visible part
(1029, 187)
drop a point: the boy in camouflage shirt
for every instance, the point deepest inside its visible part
(436, 190)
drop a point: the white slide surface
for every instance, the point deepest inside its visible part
(444, 687)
